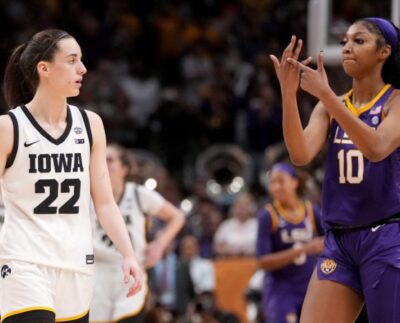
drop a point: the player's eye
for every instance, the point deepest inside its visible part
(343, 42)
(359, 41)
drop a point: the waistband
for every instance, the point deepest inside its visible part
(395, 218)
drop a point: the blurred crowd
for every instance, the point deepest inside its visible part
(173, 79)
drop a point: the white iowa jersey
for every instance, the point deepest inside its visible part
(46, 193)
(135, 220)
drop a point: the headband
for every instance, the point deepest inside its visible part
(388, 31)
(285, 168)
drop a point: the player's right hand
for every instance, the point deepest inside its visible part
(288, 74)
(131, 268)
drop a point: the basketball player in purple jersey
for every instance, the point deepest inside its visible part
(361, 191)
(286, 246)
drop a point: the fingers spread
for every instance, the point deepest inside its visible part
(307, 61)
(320, 61)
(297, 51)
(275, 61)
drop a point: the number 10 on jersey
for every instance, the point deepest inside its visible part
(351, 166)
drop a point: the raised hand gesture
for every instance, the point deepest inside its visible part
(314, 81)
(288, 74)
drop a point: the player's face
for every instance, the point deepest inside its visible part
(116, 168)
(65, 72)
(282, 187)
(360, 53)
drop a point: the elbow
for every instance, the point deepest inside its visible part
(374, 155)
(299, 160)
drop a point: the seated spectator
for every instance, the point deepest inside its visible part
(241, 223)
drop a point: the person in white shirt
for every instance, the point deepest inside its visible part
(236, 236)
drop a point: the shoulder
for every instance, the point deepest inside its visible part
(394, 98)
(268, 217)
(96, 128)
(6, 130)
(6, 124)
(147, 192)
(392, 103)
(94, 118)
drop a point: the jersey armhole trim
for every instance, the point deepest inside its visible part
(11, 157)
(87, 126)
(137, 197)
(274, 217)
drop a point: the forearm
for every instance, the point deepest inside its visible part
(280, 259)
(171, 229)
(114, 226)
(365, 138)
(293, 132)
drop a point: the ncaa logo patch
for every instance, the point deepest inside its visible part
(78, 130)
(5, 271)
(375, 120)
(328, 266)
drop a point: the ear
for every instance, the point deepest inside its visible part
(43, 68)
(385, 52)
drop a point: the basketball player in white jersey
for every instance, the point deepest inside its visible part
(52, 161)
(136, 204)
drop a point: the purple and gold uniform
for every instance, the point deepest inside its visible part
(362, 247)
(356, 191)
(284, 289)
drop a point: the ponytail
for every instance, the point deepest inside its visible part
(391, 68)
(16, 88)
(21, 78)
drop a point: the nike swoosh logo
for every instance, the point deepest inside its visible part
(374, 229)
(31, 143)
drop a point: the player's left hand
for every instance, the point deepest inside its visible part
(130, 267)
(314, 81)
(154, 252)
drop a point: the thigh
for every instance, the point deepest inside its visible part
(329, 301)
(73, 296)
(383, 300)
(25, 287)
(32, 317)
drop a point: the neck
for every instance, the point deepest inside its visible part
(365, 89)
(50, 108)
(117, 189)
(290, 204)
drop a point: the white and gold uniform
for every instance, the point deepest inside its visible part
(46, 253)
(110, 302)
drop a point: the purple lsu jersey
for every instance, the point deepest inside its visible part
(278, 231)
(356, 191)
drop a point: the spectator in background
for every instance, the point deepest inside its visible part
(201, 270)
(263, 125)
(197, 71)
(142, 90)
(242, 223)
(163, 284)
(194, 275)
(203, 224)
(286, 245)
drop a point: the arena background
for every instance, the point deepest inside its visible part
(188, 86)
